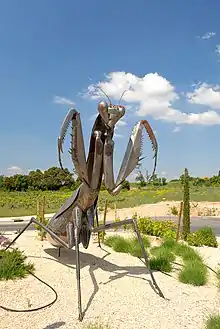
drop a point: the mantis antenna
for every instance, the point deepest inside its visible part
(122, 95)
(104, 93)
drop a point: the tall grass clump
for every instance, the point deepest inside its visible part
(13, 265)
(213, 322)
(126, 245)
(194, 270)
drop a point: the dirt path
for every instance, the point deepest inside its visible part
(164, 209)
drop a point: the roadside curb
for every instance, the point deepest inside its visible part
(23, 219)
(26, 219)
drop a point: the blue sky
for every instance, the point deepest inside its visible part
(54, 50)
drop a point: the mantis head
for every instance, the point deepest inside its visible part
(110, 114)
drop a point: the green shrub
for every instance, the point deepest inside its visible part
(203, 237)
(163, 228)
(126, 185)
(194, 272)
(213, 322)
(13, 265)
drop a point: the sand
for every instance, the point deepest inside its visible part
(164, 209)
(116, 290)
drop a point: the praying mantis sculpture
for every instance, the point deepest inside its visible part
(74, 221)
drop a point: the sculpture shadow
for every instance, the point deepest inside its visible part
(68, 258)
(55, 325)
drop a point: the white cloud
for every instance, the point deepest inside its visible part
(206, 94)
(118, 135)
(208, 35)
(13, 170)
(217, 49)
(176, 129)
(62, 100)
(121, 123)
(155, 97)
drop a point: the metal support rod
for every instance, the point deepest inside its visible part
(33, 220)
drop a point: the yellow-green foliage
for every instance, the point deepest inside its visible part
(163, 228)
(203, 237)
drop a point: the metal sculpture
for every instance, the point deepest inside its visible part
(74, 221)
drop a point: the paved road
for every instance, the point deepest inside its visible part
(196, 223)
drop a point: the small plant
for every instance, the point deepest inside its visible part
(13, 265)
(203, 237)
(41, 218)
(174, 210)
(4, 241)
(97, 325)
(209, 211)
(117, 220)
(213, 322)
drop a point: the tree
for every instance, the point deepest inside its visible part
(126, 185)
(51, 179)
(1, 181)
(186, 205)
(35, 179)
(54, 178)
(140, 177)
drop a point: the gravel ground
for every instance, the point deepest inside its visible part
(116, 289)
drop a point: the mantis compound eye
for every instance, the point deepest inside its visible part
(103, 111)
(116, 113)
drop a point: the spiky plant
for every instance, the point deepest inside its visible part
(186, 205)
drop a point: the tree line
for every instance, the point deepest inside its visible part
(55, 178)
(143, 179)
(52, 179)
(202, 181)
